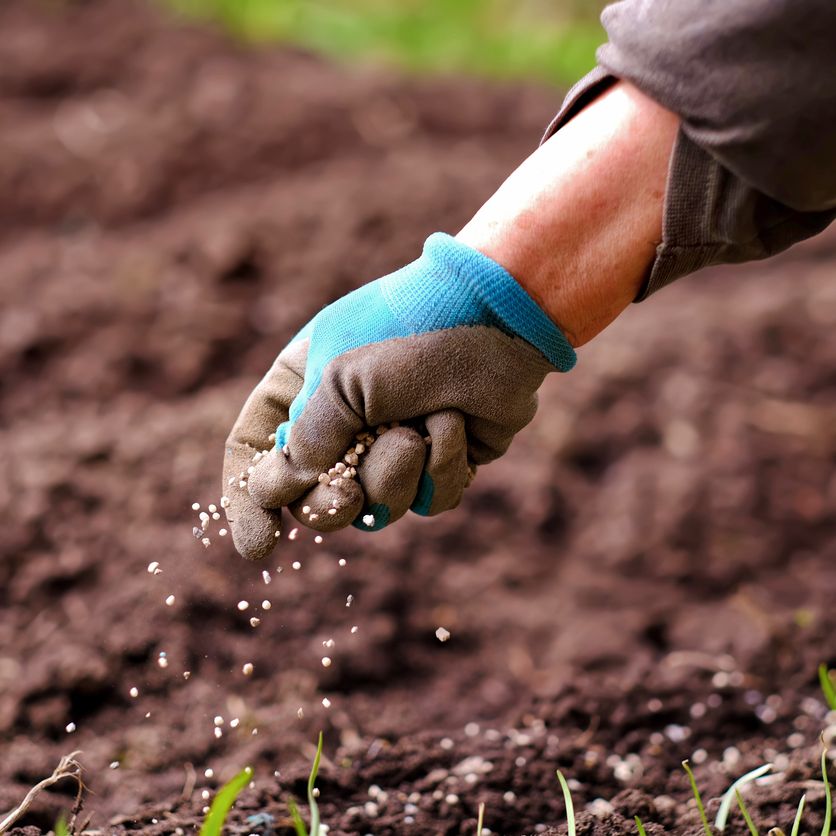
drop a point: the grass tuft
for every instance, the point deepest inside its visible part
(480, 821)
(827, 686)
(749, 823)
(61, 826)
(796, 825)
(640, 826)
(567, 798)
(725, 805)
(298, 823)
(705, 825)
(223, 801)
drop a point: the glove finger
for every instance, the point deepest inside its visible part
(254, 528)
(318, 440)
(446, 472)
(329, 506)
(389, 475)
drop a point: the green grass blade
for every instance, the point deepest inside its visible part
(827, 686)
(828, 798)
(61, 826)
(311, 784)
(640, 826)
(298, 824)
(480, 822)
(225, 798)
(567, 798)
(725, 805)
(796, 825)
(749, 823)
(705, 825)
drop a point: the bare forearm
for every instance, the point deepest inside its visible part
(577, 224)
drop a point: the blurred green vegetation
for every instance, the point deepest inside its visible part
(548, 40)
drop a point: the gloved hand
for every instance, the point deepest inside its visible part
(431, 370)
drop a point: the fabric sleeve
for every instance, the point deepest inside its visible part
(753, 169)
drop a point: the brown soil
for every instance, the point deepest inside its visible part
(648, 575)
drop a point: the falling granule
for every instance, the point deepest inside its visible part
(265, 576)
(234, 723)
(265, 604)
(328, 643)
(134, 692)
(326, 702)
(442, 634)
(204, 517)
(315, 792)
(114, 764)
(163, 661)
(205, 810)
(209, 772)
(349, 600)
(218, 721)
(326, 661)
(318, 539)
(342, 561)
(222, 532)
(213, 509)
(354, 629)
(306, 509)
(254, 622)
(277, 534)
(186, 674)
(154, 568)
(368, 520)
(332, 512)
(253, 733)
(206, 542)
(296, 565)
(216, 516)
(197, 532)
(224, 502)
(300, 712)
(243, 605)
(169, 602)
(294, 532)
(69, 728)
(218, 732)
(247, 669)
(147, 714)
(205, 795)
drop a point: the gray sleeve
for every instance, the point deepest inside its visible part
(753, 169)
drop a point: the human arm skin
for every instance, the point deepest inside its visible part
(578, 223)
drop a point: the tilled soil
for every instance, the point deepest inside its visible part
(648, 575)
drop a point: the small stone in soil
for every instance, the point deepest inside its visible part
(195, 506)
(442, 634)
(247, 668)
(114, 764)
(354, 629)
(342, 561)
(296, 565)
(326, 661)
(242, 605)
(265, 604)
(154, 568)
(300, 712)
(69, 728)
(209, 772)
(254, 622)
(294, 532)
(318, 539)
(265, 576)
(134, 692)
(169, 602)
(326, 702)
(349, 600)
(222, 532)
(368, 520)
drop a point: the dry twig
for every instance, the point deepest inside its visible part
(68, 767)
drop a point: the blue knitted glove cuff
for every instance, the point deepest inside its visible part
(452, 284)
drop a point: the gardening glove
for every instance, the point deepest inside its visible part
(390, 398)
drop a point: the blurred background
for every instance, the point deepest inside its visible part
(648, 573)
(546, 40)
